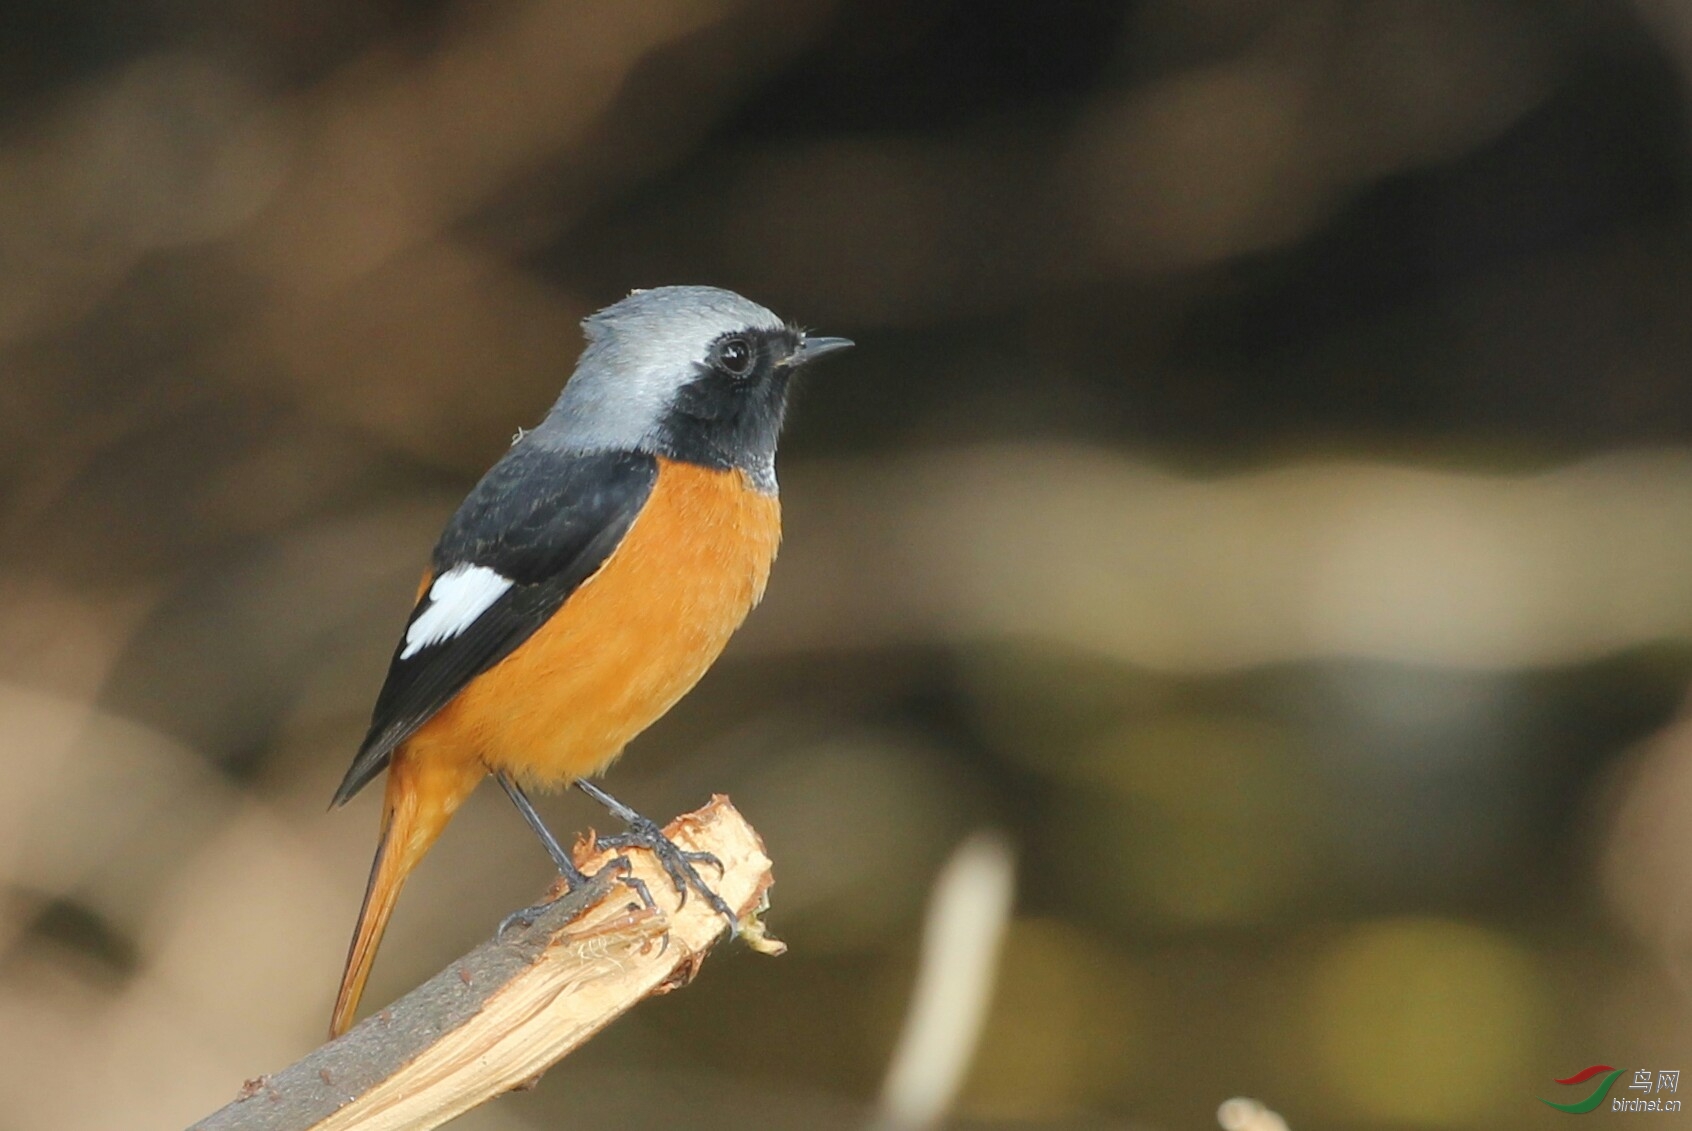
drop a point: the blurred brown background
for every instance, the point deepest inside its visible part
(1262, 489)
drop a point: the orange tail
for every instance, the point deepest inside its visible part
(421, 798)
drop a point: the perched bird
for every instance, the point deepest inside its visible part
(586, 584)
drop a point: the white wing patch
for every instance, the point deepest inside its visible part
(456, 599)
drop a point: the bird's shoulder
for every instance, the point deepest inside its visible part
(538, 509)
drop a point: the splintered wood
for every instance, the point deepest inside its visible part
(500, 1016)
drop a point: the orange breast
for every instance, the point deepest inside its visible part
(628, 644)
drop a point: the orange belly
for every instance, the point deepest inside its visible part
(630, 642)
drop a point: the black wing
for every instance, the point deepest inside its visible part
(544, 520)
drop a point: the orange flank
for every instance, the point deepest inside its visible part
(629, 643)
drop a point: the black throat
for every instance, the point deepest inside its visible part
(723, 420)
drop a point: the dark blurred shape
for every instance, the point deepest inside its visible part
(70, 927)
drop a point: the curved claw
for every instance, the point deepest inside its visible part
(678, 863)
(522, 918)
(631, 881)
(526, 917)
(710, 858)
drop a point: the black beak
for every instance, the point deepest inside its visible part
(812, 348)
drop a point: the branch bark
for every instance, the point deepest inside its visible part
(503, 1014)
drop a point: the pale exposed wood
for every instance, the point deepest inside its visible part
(510, 1009)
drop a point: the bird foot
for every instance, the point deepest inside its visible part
(678, 863)
(526, 916)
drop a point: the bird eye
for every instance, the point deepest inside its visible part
(735, 356)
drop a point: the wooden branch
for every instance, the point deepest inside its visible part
(510, 1009)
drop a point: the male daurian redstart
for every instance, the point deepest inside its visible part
(586, 583)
